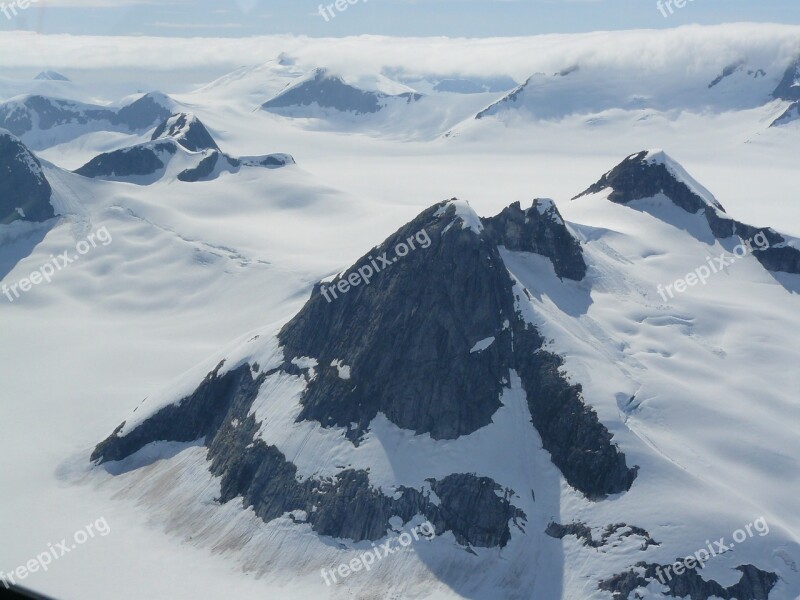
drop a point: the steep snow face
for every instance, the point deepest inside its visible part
(25, 193)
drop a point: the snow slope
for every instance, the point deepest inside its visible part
(698, 391)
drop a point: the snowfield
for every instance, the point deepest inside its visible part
(699, 391)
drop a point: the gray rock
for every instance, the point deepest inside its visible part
(583, 532)
(345, 506)
(540, 230)
(139, 160)
(408, 338)
(789, 86)
(635, 179)
(754, 583)
(25, 193)
(188, 131)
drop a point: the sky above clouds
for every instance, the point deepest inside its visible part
(471, 18)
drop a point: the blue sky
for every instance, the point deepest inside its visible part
(474, 18)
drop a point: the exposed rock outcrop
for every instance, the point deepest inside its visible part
(25, 193)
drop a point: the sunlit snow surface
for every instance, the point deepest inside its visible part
(699, 391)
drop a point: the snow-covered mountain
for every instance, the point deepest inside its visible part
(50, 75)
(41, 121)
(25, 193)
(516, 381)
(573, 393)
(789, 90)
(180, 147)
(585, 90)
(324, 91)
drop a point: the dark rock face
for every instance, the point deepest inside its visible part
(789, 87)
(270, 161)
(181, 131)
(188, 131)
(635, 179)
(540, 230)
(726, 72)
(446, 390)
(137, 160)
(754, 583)
(580, 446)
(329, 91)
(409, 339)
(199, 415)
(583, 532)
(345, 506)
(203, 169)
(24, 191)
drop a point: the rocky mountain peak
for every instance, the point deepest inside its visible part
(187, 130)
(24, 190)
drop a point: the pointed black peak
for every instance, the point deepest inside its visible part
(541, 230)
(789, 87)
(25, 192)
(50, 76)
(647, 174)
(187, 130)
(650, 173)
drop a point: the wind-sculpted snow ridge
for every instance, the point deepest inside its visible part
(650, 173)
(25, 193)
(181, 136)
